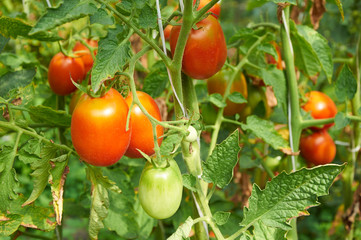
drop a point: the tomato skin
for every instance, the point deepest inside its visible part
(61, 68)
(160, 190)
(83, 52)
(318, 148)
(142, 131)
(272, 60)
(205, 52)
(216, 9)
(98, 129)
(218, 84)
(321, 106)
(77, 97)
(167, 31)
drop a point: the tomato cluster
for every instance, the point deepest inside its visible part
(318, 148)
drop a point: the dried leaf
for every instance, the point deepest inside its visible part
(316, 12)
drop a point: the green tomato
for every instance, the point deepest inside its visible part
(160, 190)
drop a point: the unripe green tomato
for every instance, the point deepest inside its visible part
(192, 136)
(160, 190)
(255, 102)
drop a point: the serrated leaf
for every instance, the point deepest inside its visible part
(263, 232)
(169, 144)
(156, 81)
(241, 34)
(13, 61)
(14, 80)
(189, 181)
(341, 120)
(7, 178)
(12, 28)
(113, 53)
(236, 97)
(265, 129)
(101, 17)
(217, 100)
(276, 78)
(183, 231)
(288, 196)
(346, 84)
(66, 12)
(147, 17)
(47, 115)
(58, 172)
(30, 152)
(9, 224)
(218, 168)
(221, 218)
(320, 46)
(269, 49)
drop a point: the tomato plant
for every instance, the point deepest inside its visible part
(218, 84)
(142, 131)
(320, 106)
(84, 53)
(94, 117)
(216, 9)
(272, 60)
(61, 70)
(160, 190)
(318, 148)
(205, 51)
(256, 103)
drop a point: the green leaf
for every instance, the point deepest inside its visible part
(58, 172)
(145, 222)
(169, 144)
(341, 120)
(8, 178)
(221, 218)
(346, 85)
(101, 17)
(218, 169)
(288, 196)
(294, 2)
(183, 231)
(156, 81)
(14, 80)
(268, 48)
(113, 53)
(241, 34)
(10, 225)
(320, 46)
(66, 12)
(265, 129)
(236, 97)
(13, 61)
(13, 28)
(217, 100)
(3, 42)
(189, 181)
(263, 232)
(305, 57)
(30, 152)
(276, 78)
(47, 115)
(147, 17)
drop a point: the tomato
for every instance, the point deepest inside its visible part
(83, 52)
(318, 148)
(205, 52)
(218, 84)
(216, 9)
(321, 106)
(98, 129)
(142, 131)
(77, 97)
(272, 60)
(61, 70)
(160, 190)
(167, 31)
(256, 103)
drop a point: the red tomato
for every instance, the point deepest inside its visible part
(98, 129)
(205, 52)
(318, 148)
(272, 60)
(61, 70)
(83, 52)
(218, 84)
(167, 31)
(77, 97)
(142, 131)
(216, 9)
(321, 106)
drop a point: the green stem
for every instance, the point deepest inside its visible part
(203, 11)
(316, 122)
(343, 60)
(266, 24)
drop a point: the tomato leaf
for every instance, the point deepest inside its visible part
(113, 53)
(218, 168)
(65, 12)
(13, 27)
(265, 129)
(101, 17)
(147, 17)
(30, 152)
(189, 181)
(169, 144)
(156, 81)
(221, 218)
(276, 78)
(341, 120)
(14, 80)
(236, 97)
(320, 46)
(9, 224)
(3, 41)
(262, 231)
(288, 196)
(7, 178)
(217, 100)
(346, 84)
(47, 115)
(183, 231)
(145, 222)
